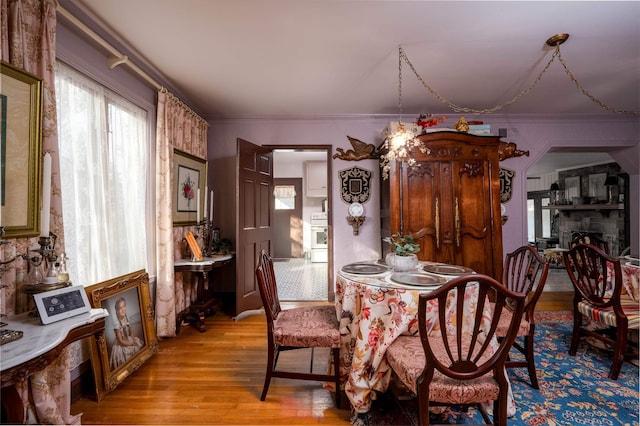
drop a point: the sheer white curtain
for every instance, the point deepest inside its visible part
(104, 178)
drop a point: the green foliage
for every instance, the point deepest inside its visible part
(222, 246)
(402, 245)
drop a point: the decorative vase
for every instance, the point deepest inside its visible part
(401, 263)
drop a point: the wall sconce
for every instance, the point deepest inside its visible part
(356, 217)
(355, 222)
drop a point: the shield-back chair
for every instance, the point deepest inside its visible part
(459, 361)
(597, 284)
(297, 328)
(525, 271)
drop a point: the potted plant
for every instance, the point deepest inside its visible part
(403, 252)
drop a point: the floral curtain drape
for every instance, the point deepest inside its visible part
(178, 127)
(28, 29)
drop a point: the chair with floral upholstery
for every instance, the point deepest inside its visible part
(600, 310)
(525, 271)
(458, 360)
(297, 328)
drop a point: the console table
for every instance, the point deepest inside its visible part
(205, 303)
(39, 346)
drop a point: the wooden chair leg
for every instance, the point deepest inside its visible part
(618, 352)
(575, 337)
(336, 368)
(272, 358)
(531, 360)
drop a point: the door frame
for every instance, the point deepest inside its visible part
(328, 149)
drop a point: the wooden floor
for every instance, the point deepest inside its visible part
(216, 377)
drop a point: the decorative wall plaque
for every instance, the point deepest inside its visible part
(355, 185)
(506, 184)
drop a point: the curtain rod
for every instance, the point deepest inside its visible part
(118, 58)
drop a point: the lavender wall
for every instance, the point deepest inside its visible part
(537, 135)
(619, 135)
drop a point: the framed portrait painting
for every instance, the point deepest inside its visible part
(130, 336)
(189, 188)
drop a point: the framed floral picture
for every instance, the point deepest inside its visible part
(189, 188)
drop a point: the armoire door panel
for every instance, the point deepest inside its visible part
(419, 213)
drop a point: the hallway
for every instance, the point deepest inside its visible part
(299, 279)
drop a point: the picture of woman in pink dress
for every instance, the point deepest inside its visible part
(126, 344)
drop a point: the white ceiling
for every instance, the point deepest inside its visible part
(340, 57)
(318, 57)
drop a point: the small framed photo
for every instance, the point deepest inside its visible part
(597, 190)
(189, 179)
(572, 187)
(130, 336)
(63, 303)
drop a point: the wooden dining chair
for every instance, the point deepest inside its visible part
(459, 361)
(589, 238)
(597, 289)
(297, 328)
(524, 271)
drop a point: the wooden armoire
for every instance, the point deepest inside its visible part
(449, 201)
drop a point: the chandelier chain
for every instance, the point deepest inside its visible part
(400, 88)
(458, 108)
(587, 93)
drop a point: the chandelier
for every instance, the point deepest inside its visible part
(401, 144)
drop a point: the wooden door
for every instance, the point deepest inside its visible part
(288, 224)
(254, 228)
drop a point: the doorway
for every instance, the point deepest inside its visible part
(301, 178)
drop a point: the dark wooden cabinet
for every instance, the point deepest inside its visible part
(449, 201)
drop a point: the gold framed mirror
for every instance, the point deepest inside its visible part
(20, 151)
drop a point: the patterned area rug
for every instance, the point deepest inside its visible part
(573, 390)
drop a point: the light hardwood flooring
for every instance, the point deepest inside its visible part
(216, 377)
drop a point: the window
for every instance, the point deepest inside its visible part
(542, 222)
(285, 196)
(103, 147)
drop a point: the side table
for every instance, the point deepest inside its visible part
(205, 303)
(39, 346)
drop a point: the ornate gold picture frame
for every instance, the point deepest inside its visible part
(130, 336)
(20, 151)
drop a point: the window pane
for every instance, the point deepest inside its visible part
(285, 197)
(531, 221)
(546, 218)
(103, 171)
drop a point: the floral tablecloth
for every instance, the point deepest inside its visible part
(373, 312)
(630, 280)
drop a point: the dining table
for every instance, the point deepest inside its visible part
(375, 305)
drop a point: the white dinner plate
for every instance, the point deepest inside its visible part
(364, 268)
(448, 269)
(417, 279)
